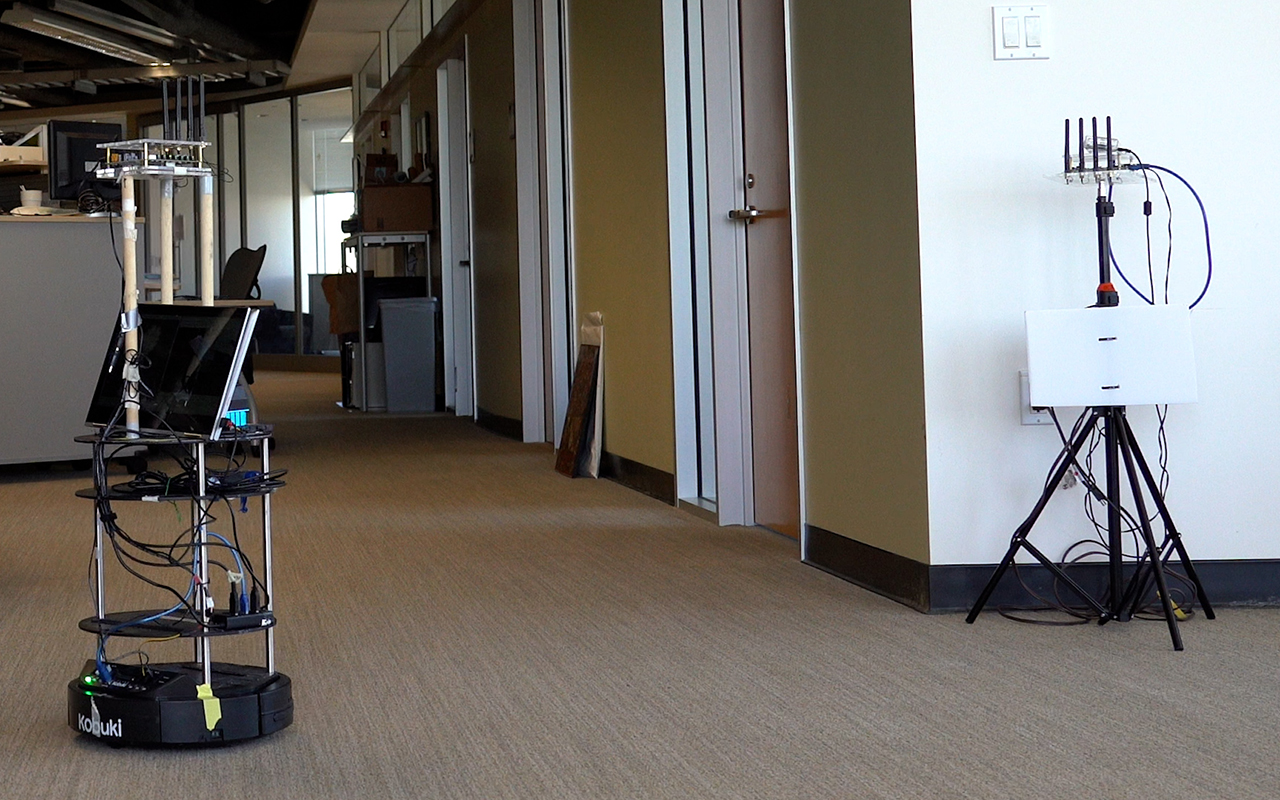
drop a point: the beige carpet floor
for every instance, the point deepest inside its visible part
(461, 622)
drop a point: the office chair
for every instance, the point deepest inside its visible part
(240, 274)
(240, 282)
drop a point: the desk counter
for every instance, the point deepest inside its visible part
(59, 296)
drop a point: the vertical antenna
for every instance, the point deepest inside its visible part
(1095, 144)
(1066, 148)
(1080, 164)
(1110, 157)
(177, 107)
(164, 107)
(191, 108)
(202, 122)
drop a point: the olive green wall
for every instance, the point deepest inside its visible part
(859, 290)
(619, 190)
(494, 256)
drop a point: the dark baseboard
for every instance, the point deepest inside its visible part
(1235, 582)
(641, 477)
(896, 577)
(955, 587)
(503, 426)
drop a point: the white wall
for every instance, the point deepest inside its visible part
(269, 180)
(1191, 86)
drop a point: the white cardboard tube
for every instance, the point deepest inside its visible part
(166, 240)
(129, 245)
(206, 240)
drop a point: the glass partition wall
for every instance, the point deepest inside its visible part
(326, 197)
(284, 180)
(268, 194)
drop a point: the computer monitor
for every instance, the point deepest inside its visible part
(74, 155)
(189, 360)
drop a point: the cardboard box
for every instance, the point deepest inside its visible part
(399, 208)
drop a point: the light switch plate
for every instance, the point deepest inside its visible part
(1030, 415)
(1021, 33)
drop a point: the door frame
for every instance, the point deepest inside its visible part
(455, 179)
(795, 277)
(529, 220)
(730, 319)
(560, 327)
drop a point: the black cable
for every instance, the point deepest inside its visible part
(1093, 492)
(1204, 215)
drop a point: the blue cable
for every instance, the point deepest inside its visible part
(244, 596)
(103, 669)
(1204, 215)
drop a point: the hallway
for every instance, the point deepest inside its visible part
(461, 621)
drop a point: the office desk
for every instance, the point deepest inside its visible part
(59, 296)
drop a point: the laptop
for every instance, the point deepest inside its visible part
(189, 360)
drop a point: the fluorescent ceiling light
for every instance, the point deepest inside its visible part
(71, 31)
(137, 28)
(115, 22)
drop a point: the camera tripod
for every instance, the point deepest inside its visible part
(1121, 448)
(1124, 601)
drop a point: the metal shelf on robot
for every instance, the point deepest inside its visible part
(182, 626)
(153, 171)
(154, 158)
(176, 716)
(123, 496)
(153, 438)
(212, 491)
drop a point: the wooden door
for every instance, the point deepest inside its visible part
(770, 289)
(455, 232)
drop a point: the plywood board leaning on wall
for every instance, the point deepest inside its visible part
(581, 442)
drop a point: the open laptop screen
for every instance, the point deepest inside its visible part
(189, 359)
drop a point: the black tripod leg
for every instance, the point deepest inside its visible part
(1138, 583)
(1020, 535)
(1137, 587)
(1061, 575)
(1170, 529)
(1016, 545)
(1157, 564)
(1112, 423)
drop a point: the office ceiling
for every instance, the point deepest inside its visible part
(339, 38)
(73, 52)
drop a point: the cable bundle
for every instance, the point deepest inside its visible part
(182, 553)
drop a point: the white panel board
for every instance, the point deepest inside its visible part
(1118, 356)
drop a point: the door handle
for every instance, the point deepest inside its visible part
(750, 214)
